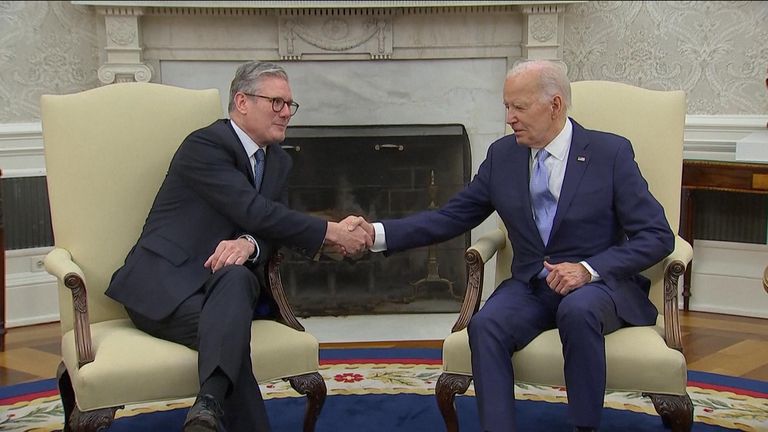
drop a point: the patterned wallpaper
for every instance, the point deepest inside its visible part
(45, 47)
(717, 51)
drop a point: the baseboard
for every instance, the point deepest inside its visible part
(31, 294)
(727, 278)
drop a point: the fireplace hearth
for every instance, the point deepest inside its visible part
(378, 172)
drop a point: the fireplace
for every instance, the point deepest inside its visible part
(378, 172)
(350, 63)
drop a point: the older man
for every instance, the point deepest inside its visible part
(196, 274)
(583, 224)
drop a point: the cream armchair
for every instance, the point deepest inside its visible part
(640, 359)
(107, 151)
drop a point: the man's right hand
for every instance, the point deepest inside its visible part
(229, 252)
(350, 237)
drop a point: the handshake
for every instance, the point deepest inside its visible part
(351, 237)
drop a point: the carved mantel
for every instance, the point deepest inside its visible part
(138, 35)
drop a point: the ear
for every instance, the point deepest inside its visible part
(241, 102)
(557, 106)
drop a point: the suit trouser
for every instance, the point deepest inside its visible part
(216, 321)
(511, 318)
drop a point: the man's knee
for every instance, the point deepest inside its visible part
(590, 308)
(235, 278)
(484, 327)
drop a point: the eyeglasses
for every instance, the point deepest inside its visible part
(277, 103)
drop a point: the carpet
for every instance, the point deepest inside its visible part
(386, 390)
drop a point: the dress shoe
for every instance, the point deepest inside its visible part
(584, 429)
(205, 415)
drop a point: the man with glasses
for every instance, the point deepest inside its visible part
(196, 274)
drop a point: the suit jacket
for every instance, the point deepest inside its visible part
(605, 216)
(208, 196)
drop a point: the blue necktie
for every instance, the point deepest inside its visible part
(258, 168)
(544, 203)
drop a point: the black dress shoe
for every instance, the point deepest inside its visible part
(205, 415)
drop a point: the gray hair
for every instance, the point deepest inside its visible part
(553, 79)
(249, 77)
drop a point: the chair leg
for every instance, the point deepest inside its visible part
(74, 419)
(314, 387)
(92, 421)
(67, 394)
(446, 389)
(676, 411)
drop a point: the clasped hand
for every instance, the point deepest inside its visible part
(566, 277)
(351, 237)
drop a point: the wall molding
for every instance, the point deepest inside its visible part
(706, 137)
(714, 137)
(22, 155)
(21, 150)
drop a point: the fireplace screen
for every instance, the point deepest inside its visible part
(378, 172)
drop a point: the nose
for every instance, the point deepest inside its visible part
(511, 116)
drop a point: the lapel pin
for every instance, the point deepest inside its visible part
(581, 158)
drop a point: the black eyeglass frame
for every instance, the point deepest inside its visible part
(277, 103)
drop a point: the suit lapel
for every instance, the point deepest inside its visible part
(576, 166)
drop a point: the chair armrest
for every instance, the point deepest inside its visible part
(674, 267)
(286, 315)
(59, 263)
(476, 256)
(683, 252)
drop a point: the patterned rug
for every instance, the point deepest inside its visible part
(720, 403)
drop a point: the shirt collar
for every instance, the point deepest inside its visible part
(249, 145)
(558, 147)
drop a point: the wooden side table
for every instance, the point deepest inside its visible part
(738, 177)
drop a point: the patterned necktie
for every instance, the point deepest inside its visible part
(544, 203)
(258, 168)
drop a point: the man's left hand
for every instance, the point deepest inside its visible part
(229, 252)
(566, 277)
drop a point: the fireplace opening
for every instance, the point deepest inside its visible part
(378, 172)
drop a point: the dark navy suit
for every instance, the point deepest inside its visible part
(208, 195)
(605, 216)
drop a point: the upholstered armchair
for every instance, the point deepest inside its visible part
(106, 152)
(640, 359)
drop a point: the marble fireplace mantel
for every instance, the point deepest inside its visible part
(138, 35)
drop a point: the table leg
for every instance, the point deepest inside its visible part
(686, 231)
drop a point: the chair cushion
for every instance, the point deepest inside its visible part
(131, 366)
(638, 360)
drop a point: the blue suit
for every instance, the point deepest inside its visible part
(209, 195)
(605, 216)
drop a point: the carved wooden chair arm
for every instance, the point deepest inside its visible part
(476, 256)
(59, 263)
(286, 315)
(674, 267)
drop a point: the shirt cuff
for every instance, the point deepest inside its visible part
(256, 250)
(380, 242)
(595, 276)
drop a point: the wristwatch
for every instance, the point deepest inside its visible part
(255, 255)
